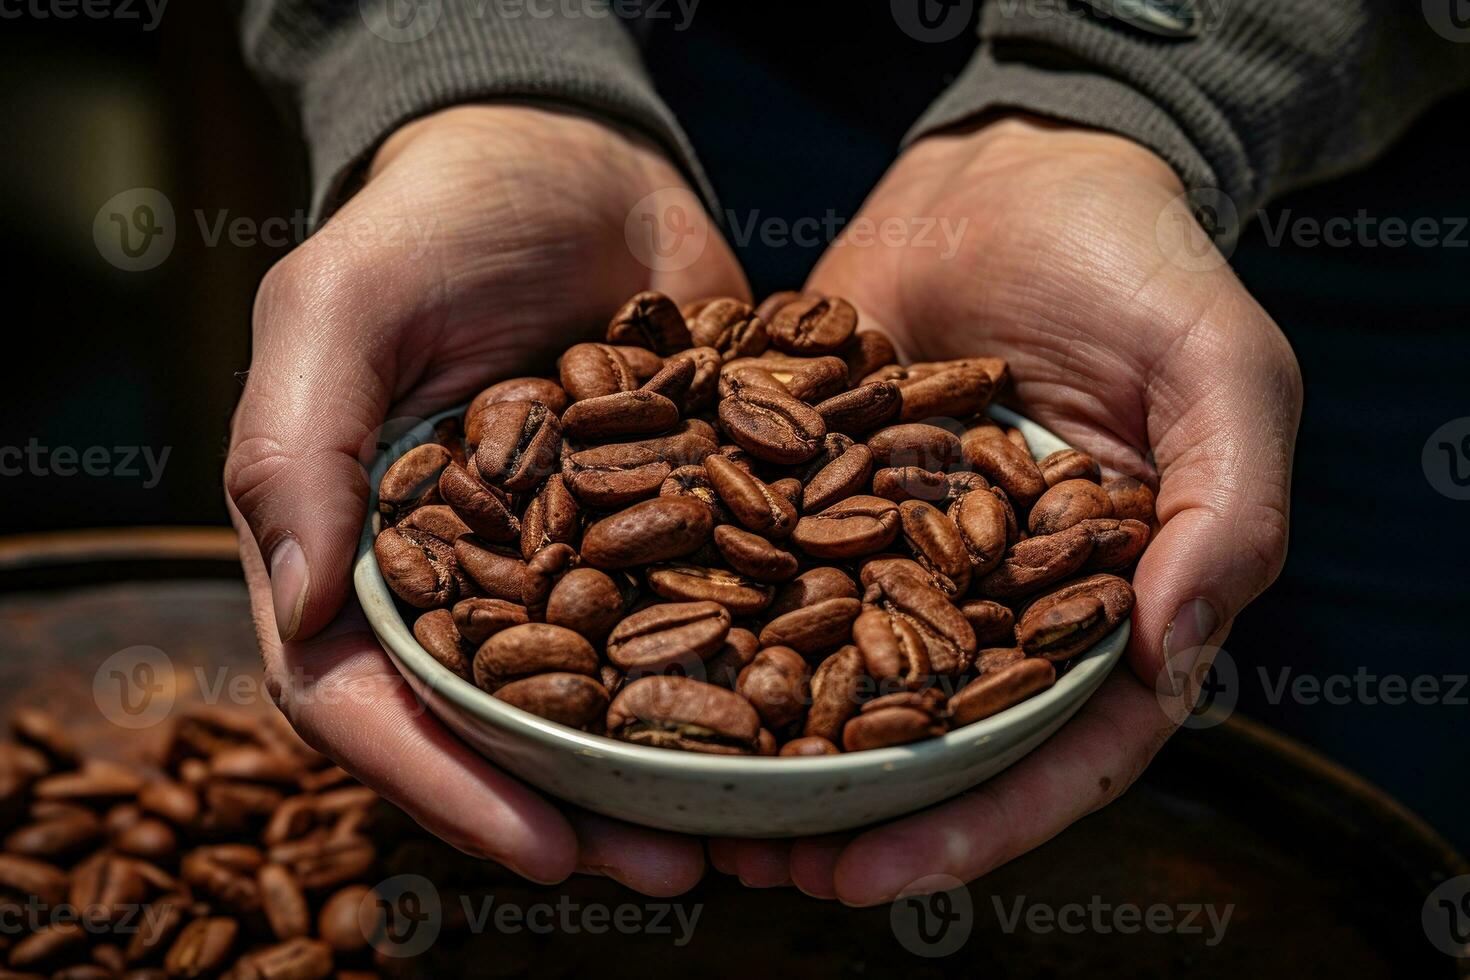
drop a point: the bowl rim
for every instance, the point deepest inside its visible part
(1086, 672)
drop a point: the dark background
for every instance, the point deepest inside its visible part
(1377, 577)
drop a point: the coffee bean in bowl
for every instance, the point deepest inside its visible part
(782, 585)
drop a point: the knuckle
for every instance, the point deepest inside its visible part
(1265, 539)
(253, 464)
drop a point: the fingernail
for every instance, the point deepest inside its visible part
(289, 576)
(1194, 623)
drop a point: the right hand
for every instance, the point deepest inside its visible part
(484, 239)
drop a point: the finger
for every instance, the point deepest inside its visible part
(651, 862)
(814, 864)
(763, 863)
(346, 699)
(1086, 765)
(1224, 408)
(723, 852)
(312, 401)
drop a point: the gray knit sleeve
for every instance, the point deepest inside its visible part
(355, 71)
(1269, 94)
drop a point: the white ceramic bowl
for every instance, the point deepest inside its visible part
(721, 795)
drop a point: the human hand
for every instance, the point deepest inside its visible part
(484, 239)
(1157, 362)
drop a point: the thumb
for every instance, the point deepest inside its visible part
(1226, 405)
(311, 401)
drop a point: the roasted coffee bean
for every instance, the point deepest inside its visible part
(814, 629)
(482, 510)
(885, 722)
(730, 327)
(808, 745)
(753, 555)
(1008, 511)
(777, 685)
(682, 713)
(703, 387)
(1062, 624)
(915, 444)
(542, 390)
(438, 521)
(811, 325)
(594, 370)
(892, 648)
(694, 481)
(646, 533)
(28, 877)
(50, 943)
(688, 443)
(150, 839)
(672, 380)
(532, 648)
(807, 379)
(900, 483)
(650, 320)
(740, 594)
(866, 352)
(437, 633)
(1032, 565)
(993, 659)
(1131, 499)
(738, 650)
(1067, 503)
(202, 948)
(993, 692)
(551, 516)
(614, 476)
(282, 902)
(418, 567)
(857, 526)
(837, 687)
(1115, 543)
(948, 637)
(587, 602)
(296, 959)
(55, 836)
(627, 414)
(644, 362)
(984, 526)
(774, 302)
(519, 445)
(811, 587)
(859, 410)
(412, 481)
(772, 426)
(108, 885)
(988, 450)
(176, 803)
(543, 571)
(992, 622)
(1069, 464)
(337, 922)
(841, 478)
(671, 635)
(954, 393)
(476, 620)
(749, 500)
(566, 698)
(97, 781)
(498, 572)
(936, 542)
(880, 567)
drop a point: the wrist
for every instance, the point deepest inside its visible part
(1020, 140)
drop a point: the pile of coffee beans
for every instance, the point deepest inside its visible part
(750, 531)
(240, 852)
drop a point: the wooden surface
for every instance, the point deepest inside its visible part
(1323, 876)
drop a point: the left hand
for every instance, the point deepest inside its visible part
(1158, 368)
